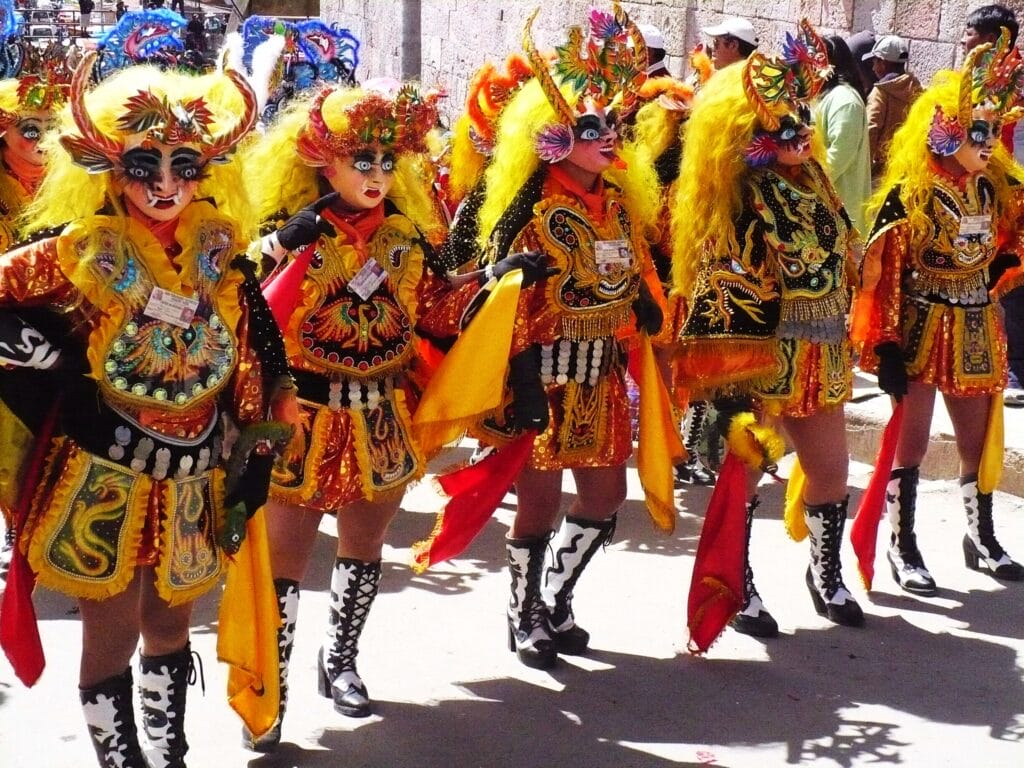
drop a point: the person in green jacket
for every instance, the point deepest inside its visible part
(843, 124)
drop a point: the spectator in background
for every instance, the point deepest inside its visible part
(843, 124)
(732, 40)
(983, 26)
(195, 40)
(119, 10)
(890, 99)
(655, 42)
(84, 13)
(179, 6)
(859, 44)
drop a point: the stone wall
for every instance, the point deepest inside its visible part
(456, 36)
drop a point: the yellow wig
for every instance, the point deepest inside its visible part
(9, 96)
(911, 163)
(467, 164)
(708, 194)
(280, 181)
(69, 192)
(515, 161)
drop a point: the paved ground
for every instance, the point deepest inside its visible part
(928, 682)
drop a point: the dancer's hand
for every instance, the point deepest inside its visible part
(892, 371)
(306, 226)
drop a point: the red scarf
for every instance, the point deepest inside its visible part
(593, 201)
(358, 226)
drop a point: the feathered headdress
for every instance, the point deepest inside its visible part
(141, 36)
(777, 85)
(605, 68)
(157, 118)
(396, 124)
(489, 91)
(283, 58)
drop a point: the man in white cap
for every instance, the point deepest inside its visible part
(733, 39)
(655, 42)
(891, 97)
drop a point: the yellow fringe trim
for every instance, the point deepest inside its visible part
(73, 476)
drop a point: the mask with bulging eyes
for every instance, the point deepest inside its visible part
(23, 138)
(161, 179)
(595, 143)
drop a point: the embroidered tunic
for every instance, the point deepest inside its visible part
(932, 298)
(578, 317)
(350, 355)
(772, 319)
(134, 475)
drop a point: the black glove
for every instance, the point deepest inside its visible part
(306, 226)
(533, 263)
(648, 313)
(892, 371)
(529, 408)
(1002, 262)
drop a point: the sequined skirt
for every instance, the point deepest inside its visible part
(359, 445)
(960, 350)
(94, 521)
(589, 424)
(812, 376)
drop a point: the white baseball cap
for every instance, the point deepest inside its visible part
(889, 48)
(734, 26)
(652, 36)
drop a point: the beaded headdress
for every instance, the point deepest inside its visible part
(397, 124)
(777, 85)
(43, 75)
(605, 68)
(992, 79)
(157, 118)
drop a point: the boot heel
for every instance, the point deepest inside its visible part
(818, 600)
(971, 557)
(323, 681)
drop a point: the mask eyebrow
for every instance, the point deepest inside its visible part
(142, 157)
(590, 122)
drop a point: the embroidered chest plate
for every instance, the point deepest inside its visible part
(807, 234)
(599, 267)
(965, 229)
(150, 362)
(350, 335)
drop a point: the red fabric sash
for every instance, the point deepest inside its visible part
(716, 587)
(19, 632)
(474, 493)
(864, 531)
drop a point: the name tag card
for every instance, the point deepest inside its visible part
(613, 253)
(171, 307)
(368, 279)
(976, 225)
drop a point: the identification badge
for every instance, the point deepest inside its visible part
(171, 307)
(976, 225)
(367, 279)
(613, 253)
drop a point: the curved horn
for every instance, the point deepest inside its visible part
(92, 136)
(224, 142)
(965, 104)
(315, 136)
(542, 71)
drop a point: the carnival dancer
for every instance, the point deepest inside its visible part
(946, 221)
(355, 277)
(32, 91)
(545, 192)
(761, 248)
(134, 509)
